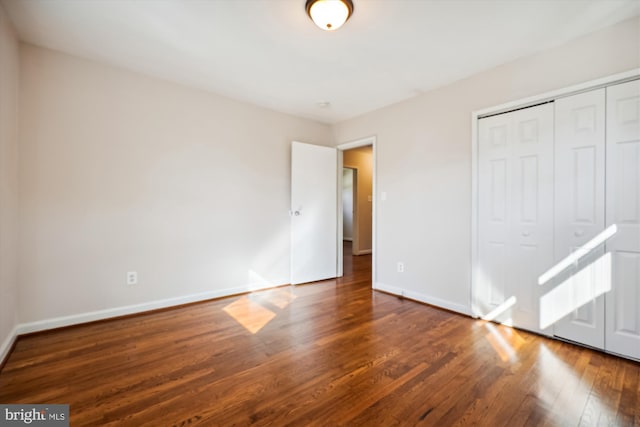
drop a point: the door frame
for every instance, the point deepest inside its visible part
(354, 198)
(362, 142)
(632, 74)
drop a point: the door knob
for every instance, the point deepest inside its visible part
(526, 233)
(578, 233)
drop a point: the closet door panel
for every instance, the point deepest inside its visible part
(623, 210)
(579, 217)
(515, 213)
(531, 233)
(494, 183)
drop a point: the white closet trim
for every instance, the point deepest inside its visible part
(559, 93)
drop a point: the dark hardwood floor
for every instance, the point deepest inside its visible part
(328, 353)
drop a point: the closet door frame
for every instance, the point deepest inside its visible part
(511, 106)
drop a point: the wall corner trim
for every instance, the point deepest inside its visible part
(7, 345)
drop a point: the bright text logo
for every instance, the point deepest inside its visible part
(37, 415)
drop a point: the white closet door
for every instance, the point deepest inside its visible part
(577, 300)
(515, 213)
(623, 209)
(532, 207)
(494, 190)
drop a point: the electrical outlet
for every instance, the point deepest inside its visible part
(400, 267)
(132, 278)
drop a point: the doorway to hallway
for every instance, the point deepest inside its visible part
(357, 210)
(355, 267)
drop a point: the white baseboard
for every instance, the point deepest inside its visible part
(348, 239)
(388, 288)
(75, 319)
(427, 299)
(364, 252)
(6, 345)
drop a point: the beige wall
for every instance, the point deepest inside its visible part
(423, 154)
(9, 66)
(361, 159)
(121, 172)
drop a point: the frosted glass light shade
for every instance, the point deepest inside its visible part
(329, 14)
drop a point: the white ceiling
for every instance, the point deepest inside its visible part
(268, 52)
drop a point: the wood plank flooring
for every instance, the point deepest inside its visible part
(325, 354)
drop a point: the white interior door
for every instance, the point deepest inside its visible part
(579, 216)
(314, 172)
(623, 209)
(515, 201)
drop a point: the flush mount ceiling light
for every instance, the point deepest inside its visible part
(329, 14)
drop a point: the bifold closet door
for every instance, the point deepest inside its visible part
(623, 210)
(515, 213)
(576, 303)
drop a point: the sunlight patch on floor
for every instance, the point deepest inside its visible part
(561, 390)
(255, 310)
(249, 314)
(505, 341)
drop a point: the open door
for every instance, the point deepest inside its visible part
(314, 172)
